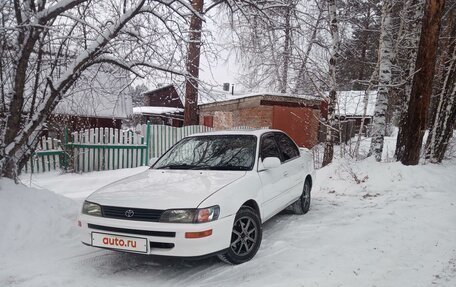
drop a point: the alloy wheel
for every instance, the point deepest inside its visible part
(244, 236)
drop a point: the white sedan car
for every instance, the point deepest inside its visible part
(209, 194)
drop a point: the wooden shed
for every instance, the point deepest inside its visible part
(297, 116)
(162, 106)
(103, 102)
(165, 96)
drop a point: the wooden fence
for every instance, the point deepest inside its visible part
(48, 157)
(163, 137)
(107, 148)
(346, 132)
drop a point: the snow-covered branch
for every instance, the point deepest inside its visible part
(46, 49)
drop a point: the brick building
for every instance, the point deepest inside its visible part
(297, 116)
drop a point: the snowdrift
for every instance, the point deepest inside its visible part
(33, 219)
(367, 176)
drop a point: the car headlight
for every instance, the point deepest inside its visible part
(90, 208)
(191, 215)
(207, 214)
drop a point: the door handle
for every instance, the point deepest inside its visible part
(285, 173)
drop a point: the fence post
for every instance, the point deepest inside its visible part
(65, 161)
(147, 143)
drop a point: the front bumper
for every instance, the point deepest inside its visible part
(166, 239)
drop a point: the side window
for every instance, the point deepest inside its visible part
(287, 147)
(269, 147)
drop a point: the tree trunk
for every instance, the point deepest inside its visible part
(335, 49)
(417, 112)
(286, 49)
(413, 27)
(444, 116)
(193, 62)
(386, 62)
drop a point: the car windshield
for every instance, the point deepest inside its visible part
(213, 152)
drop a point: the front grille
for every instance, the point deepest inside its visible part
(131, 213)
(133, 231)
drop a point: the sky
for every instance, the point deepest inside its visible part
(218, 64)
(223, 68)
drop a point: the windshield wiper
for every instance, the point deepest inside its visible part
(176, 166)
(219, 167)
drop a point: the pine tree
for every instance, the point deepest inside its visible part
(193, 62)
(407, 47)
(417, 113)
(444, 116)
(360, 50)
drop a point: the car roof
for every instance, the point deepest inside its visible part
(254, 132)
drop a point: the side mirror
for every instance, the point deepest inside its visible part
(271, 162)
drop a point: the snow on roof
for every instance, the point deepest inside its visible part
(100, 95)
(216, 96)
(350, 103)
(157, 110)
(157, 89)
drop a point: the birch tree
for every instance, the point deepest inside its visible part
(335, 50)
(275, 41)
(47, 45)
(385, 70)
(300, 81)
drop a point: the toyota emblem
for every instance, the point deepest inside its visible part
(129, 213)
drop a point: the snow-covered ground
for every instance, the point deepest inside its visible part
(370, 224)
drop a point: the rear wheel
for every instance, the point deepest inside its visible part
(245, 237)
(302, 205)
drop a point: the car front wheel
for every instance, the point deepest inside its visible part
(245, 237)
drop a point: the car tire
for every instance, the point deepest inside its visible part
(302, 205)
(246, 237)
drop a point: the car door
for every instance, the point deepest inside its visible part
(292, 165)
(272, 180)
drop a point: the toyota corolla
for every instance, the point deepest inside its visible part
(209, 194)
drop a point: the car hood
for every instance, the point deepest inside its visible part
(164, 189)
